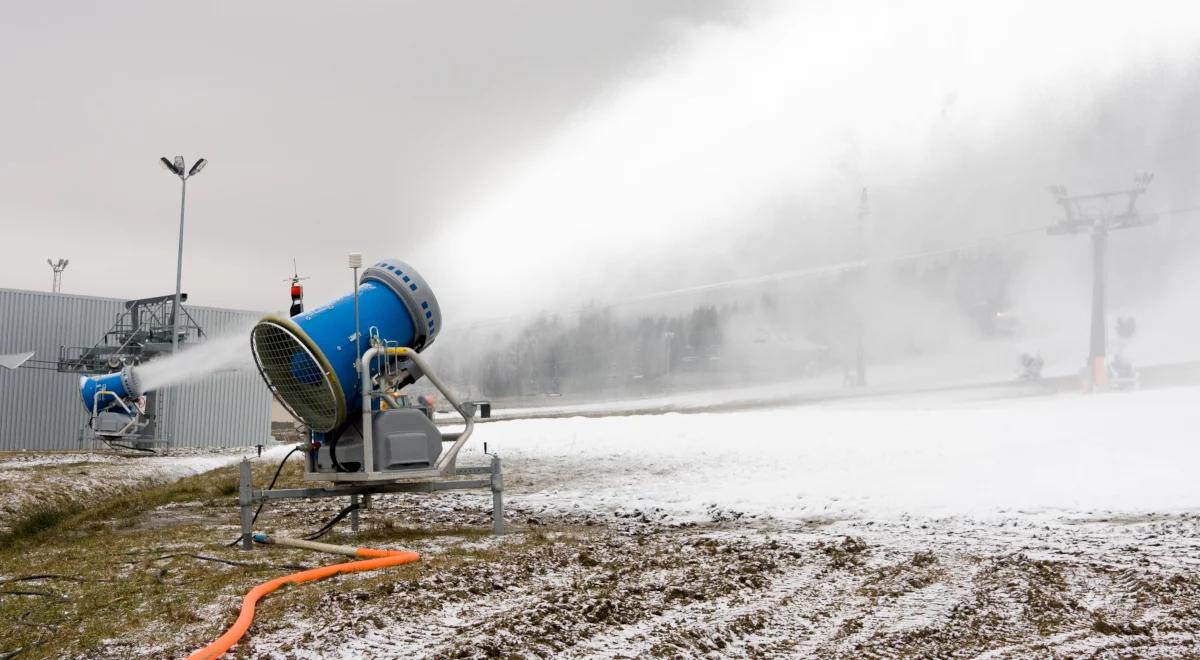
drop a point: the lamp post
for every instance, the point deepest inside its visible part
(176, 167)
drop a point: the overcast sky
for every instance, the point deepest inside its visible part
(513, 149)
(329, 127)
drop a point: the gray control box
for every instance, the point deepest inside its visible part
(404, 439)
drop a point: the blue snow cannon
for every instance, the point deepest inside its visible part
(101, 393)
(308, 360)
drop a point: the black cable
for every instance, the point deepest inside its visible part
(114, 445)
(355, 467)
(333, 440)
(273, 480)
(329, 525)
(337, 467)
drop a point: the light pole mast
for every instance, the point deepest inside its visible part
(1078, 220)
(176, 167)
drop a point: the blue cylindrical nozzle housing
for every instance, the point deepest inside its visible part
(117, 385)
(309, 359)
(327, 326)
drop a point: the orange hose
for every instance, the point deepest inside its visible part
(373, 559)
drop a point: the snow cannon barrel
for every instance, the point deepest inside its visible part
(121, 384)
(308, 360)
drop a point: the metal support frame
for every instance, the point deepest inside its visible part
(445, 466)
(129, 433)
(248, 496)
(245, 501)
(497, 483)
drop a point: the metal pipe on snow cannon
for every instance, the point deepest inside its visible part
(309, 360)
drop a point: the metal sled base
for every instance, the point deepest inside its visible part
(249, 496)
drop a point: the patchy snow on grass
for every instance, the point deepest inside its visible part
(927, 456)
(18, 460)
(29, 480)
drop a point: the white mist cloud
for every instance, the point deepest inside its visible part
(799, 102)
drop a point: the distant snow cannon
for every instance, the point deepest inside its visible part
(309, 361)
(118, 385)
(112, 402)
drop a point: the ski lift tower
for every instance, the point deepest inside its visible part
(1098, 214)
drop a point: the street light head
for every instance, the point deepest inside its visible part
(170, 167)
(179, 165)
(199, 165)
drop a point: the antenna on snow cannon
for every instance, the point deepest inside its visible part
(362, 427)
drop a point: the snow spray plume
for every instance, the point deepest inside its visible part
(227, 352)
(746, 150)
(769, 130)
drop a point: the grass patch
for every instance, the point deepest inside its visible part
(217, 488)
(34, 521)
(121, 582)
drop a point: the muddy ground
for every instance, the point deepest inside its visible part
(148, 575)
(631, 587)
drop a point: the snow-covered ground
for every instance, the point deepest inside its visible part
(32, 479)
(934, 525)
(180, 463)
(927, 455)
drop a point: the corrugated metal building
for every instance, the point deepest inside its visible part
(41, 409)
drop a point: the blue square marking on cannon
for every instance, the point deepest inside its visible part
(406, 278)
(424, 304)
(413, 287)
(428, 315)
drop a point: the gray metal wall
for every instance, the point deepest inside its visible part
(42, 410)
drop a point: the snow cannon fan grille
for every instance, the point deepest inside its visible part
(298, 376)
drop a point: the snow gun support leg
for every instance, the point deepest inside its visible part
(489, 476)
